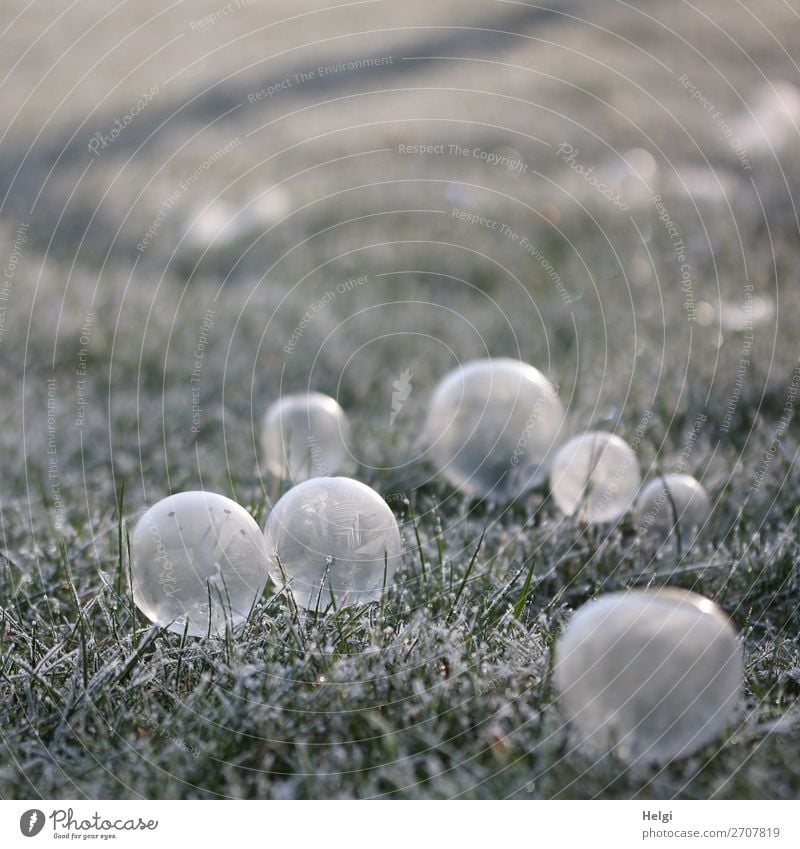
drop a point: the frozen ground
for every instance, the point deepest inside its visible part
(174, 185)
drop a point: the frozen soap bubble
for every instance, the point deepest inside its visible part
(595, 475)
(770, 123)
(491, 425)
(193, 549)
(305, 436)
(652, 675)
(332, 539)
(673, 501)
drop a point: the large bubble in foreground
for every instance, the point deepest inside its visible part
(200, 558)
(652, 675)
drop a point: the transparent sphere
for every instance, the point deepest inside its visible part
(195, 548)
(673, 501)
(332, 540)
(651, 674)
(491, 426)
(595, 475)
(305, 436)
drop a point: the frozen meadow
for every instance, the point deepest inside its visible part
(204, 211)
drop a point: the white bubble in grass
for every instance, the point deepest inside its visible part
(213, 226)
(652, 675)
(304, 436)
(491, 426)
(769, 124)
(640, 163)
(219, 223)
(200, 558)
(333, 541)
(595, 476)
(673, 501)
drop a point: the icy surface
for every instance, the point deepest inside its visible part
(651, 674)
(595, 475)
(305, 436)
(193, 547)
(334, 539)
(491, 426)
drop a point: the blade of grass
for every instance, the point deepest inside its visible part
(465, 578)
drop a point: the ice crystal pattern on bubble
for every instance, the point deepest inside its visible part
(334, 541)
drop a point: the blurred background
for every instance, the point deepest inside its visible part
(634, 168)
(160, 161)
